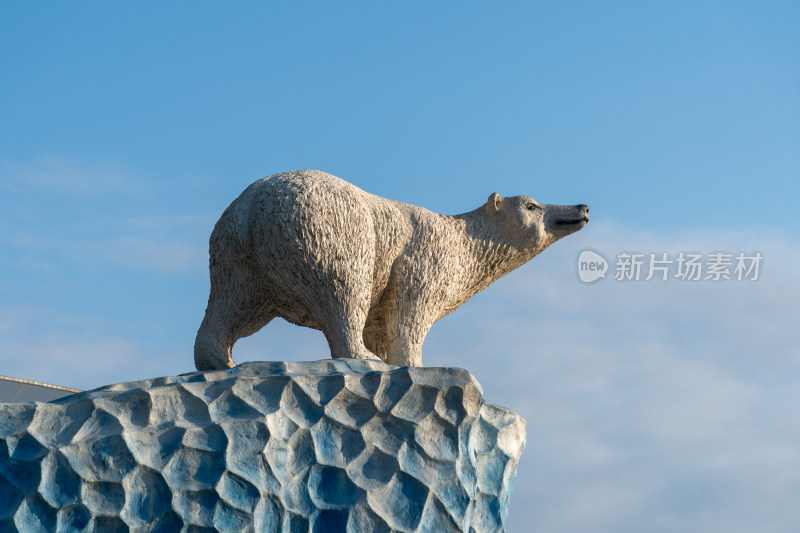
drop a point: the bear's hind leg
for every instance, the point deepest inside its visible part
(215, 340)
(237, 307)
(212, 346)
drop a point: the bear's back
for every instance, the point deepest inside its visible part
(304, 186)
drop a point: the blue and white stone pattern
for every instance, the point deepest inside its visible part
(326, 446)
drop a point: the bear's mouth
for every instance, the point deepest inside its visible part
(571, 221)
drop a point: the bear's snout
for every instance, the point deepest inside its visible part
(567, 219)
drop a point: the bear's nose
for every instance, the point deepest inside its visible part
(582, 207)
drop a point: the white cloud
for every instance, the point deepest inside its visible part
(63, 176)
(70, 361)
(56, 211)
(149, 253)
(163, 243)
(81, 351)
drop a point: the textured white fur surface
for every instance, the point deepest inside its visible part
(372, 274)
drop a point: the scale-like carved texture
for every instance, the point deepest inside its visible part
(336, 445)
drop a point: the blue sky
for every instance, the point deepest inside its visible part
(126, 129)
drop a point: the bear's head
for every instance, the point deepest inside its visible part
(528, 225)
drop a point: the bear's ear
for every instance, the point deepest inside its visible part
(494, 204)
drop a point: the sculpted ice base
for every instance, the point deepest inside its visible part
(334, 445)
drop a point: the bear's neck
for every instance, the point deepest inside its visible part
(492, 256)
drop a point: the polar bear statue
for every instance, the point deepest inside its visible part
(372, 274)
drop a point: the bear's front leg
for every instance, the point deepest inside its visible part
(342, 322)
(407, 331)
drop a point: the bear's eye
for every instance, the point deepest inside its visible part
(531, 207)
